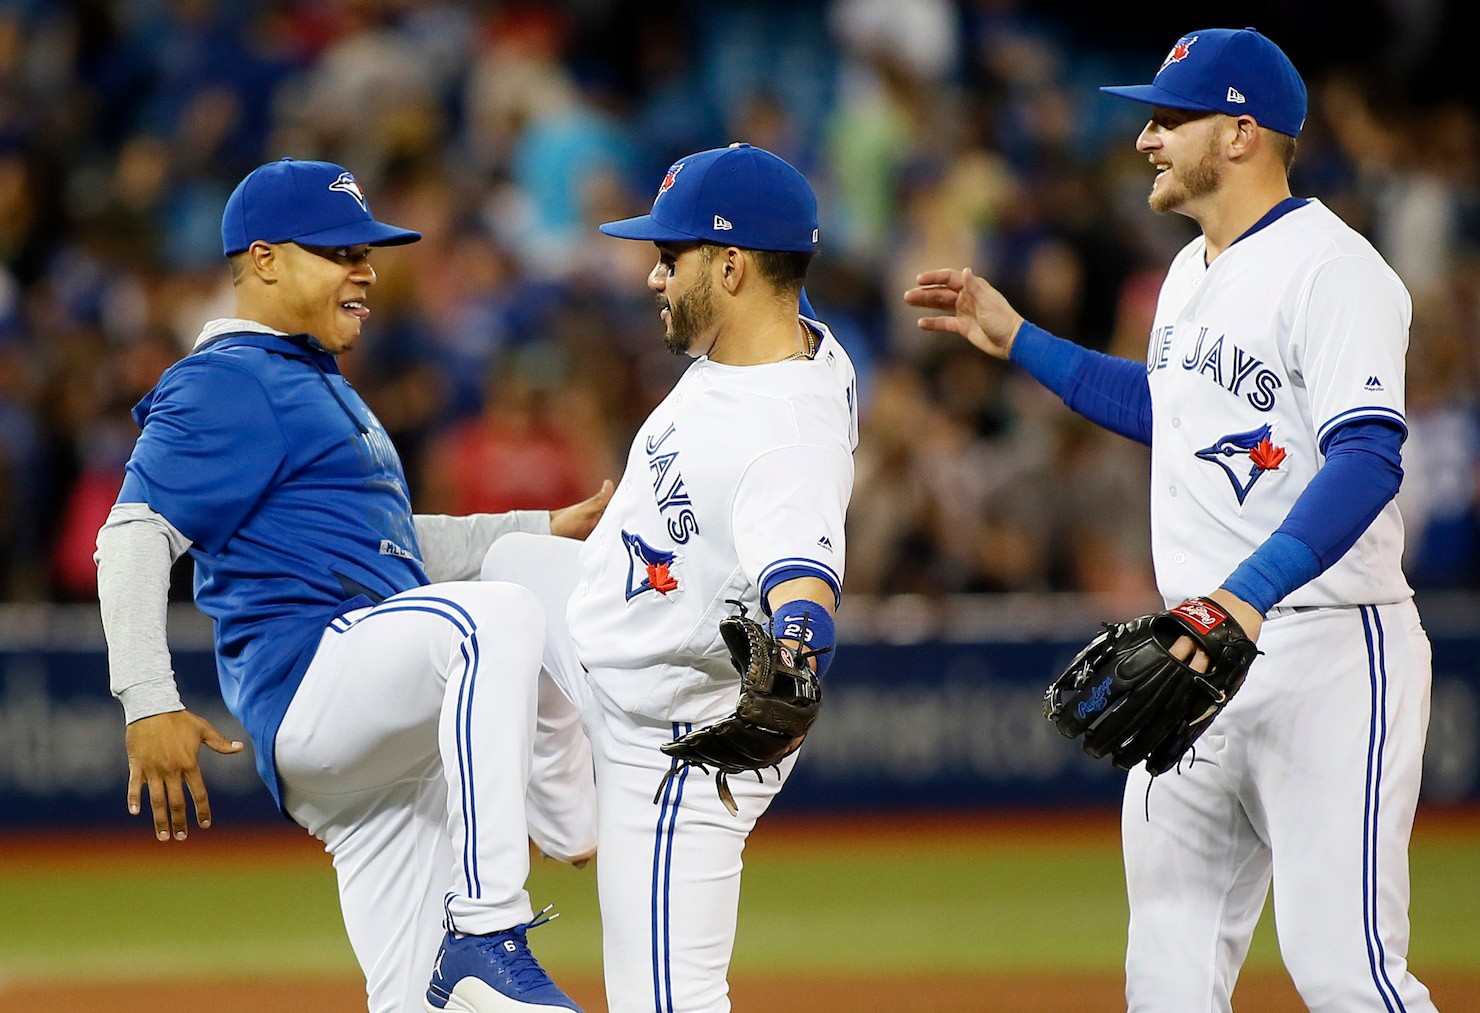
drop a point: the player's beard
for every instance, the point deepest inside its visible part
(690, 316)
(1199, 180)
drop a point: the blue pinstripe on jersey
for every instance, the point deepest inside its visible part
(463, 721)
(1376, 741)
(662, 883)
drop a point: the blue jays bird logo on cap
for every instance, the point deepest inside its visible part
(1179, 52)
(1255, 447)
(346, 184)
(649, 569)
(669, 179)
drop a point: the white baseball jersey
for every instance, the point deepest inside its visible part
(740, 478)
(1253, 361)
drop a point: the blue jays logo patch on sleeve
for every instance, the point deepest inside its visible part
(1254, 449)
(649, 569)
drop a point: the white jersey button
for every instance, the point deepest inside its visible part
(1172, 491)
(1180, 557)
(1176, 423)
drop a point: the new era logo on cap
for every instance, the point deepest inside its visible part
(1235, 96)
(722, 224)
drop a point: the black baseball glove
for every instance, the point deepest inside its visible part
(780, 697)
(1132, 701)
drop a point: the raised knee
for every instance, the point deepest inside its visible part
(508, 554)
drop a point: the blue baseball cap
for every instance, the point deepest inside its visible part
(317, 203)
(1226, 70)
(737, 196)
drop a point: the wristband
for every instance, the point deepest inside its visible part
(810, 625)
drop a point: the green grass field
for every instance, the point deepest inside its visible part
(814, 902)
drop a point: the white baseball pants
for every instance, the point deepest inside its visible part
(407, 751)
(668, 870)
(1310, 778)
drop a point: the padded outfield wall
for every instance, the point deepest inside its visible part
(932, 705)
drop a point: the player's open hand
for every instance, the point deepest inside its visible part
(577, 521)
(969, 306)
(164, 753)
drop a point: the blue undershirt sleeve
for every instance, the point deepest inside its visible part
(1109, 391)
(1362, 473)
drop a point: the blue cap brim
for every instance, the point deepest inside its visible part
(1152, 95)
(359, 233)
(643, 227)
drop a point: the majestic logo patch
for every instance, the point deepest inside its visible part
(1373, 383)
(346, 184)
(1255, 447)
(669, 179)
(825, 542)
(649, 569)
(1179, 51)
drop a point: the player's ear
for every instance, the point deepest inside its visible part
(732, 265)
(1245, 130)
(264, 261)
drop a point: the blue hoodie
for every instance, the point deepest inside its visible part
(262, 454)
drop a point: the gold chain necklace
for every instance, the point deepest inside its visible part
(811, 347)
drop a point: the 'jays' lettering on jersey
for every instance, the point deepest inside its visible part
(739, 480)
(1246, 392)
(275, 561)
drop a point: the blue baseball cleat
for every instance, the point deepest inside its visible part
(493, 974)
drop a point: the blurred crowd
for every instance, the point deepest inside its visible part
(512, 353)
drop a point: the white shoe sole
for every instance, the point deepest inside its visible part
(474, 995)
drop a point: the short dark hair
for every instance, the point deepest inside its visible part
(786, 270)
(238, 263)
(783, 270)
(1284, 145)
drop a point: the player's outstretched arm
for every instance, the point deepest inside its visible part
(578, 520)
(968, 306)
(164, 754)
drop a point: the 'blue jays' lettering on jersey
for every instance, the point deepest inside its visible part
(672, 496)
(260, 453)
(1221, 361)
